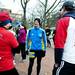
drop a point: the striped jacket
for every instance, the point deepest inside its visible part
(64, 39)
(36, 39)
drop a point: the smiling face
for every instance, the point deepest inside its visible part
(36, 23)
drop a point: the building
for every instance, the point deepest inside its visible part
(14, 15)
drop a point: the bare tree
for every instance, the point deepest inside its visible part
(48, 9)
(48, 14)
(24, 6)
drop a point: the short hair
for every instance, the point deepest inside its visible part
(68, 5)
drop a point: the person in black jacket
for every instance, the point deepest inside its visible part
(48, 31)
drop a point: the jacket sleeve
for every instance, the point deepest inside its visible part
(44, 39)
(27, 39)
(60, 38)
(13, 41)
(58, 55)
(14, 44)
(16, 50)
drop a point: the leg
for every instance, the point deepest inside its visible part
(48, 42)
(10, 72)
(31, 62)
(23, 52)
(54, 70)
(65, 69)
(38, 64)
(13, 72)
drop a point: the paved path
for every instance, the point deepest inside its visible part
(47, 64)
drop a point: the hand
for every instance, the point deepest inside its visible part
(56, 65)
(27, 52)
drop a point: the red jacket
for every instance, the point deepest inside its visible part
(7, 42)
(64, 39)
(61, 32)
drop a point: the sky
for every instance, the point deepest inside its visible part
(16, 6)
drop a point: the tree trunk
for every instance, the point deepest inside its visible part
(44, 17)
(24, 16)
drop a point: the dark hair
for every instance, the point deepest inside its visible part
(39, 21)
(69, 5)
(24, 26)
(68, 9)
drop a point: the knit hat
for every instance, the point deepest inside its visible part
(4, 18)
(69, 5)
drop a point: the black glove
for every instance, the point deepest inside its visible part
(16, 50)
(58, 55)
(27, 52)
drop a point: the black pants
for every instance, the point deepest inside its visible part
(10, 72)
(66, 69)
(48, 41)
(22, 49)
(54, 70)
(31, 62)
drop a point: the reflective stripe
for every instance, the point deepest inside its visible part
(31, 54)
(59, 68)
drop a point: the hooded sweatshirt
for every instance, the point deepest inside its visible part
(22, 35)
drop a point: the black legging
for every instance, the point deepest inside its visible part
(48, 41)
(10, 72)
(31, 62)
(22, 49)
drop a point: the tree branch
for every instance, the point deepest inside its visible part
(54, 8)
(22, 4)
(51, 7)
(28, 1)
(42, 3)
(46, 1)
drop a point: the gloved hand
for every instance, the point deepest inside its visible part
(27, 52)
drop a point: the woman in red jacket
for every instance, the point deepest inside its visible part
(7, 43)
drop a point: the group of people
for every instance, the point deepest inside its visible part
(34, 42)
(34, 45)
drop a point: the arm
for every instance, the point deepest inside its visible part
(16, 50)
(44, 39)
(58, 55)
(27, 39)
(59, 39)
(14, 44)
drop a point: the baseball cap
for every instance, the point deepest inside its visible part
(69, 5)
(4, 18)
